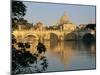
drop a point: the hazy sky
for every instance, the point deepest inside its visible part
(50, 13)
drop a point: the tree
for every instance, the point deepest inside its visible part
(91, 26)
(22, 21)
(18, 9)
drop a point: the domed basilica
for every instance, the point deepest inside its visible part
(65, 24)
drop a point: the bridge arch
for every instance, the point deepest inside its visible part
(70, 36)
(31, 37)
(53, 37)
(88, 36)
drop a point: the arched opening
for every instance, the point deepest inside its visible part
(70, 36)
(31, 38)
(88, 37)
(89, 42)
(53, 37)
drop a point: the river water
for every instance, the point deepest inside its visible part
(68, 55)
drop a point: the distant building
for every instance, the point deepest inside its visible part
(39, 26)
(65, 24)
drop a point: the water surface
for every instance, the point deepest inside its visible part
(68, 55)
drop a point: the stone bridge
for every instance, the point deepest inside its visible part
(51, 34)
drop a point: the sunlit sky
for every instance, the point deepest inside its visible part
(50, 13)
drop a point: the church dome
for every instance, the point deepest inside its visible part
(64, 19)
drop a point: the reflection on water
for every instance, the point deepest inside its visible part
(68, 55)
(71, 55)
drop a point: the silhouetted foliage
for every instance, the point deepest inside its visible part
(18, 9)
(24, 23)
(21, 21)
(13, 39)
(44, 63)
(22, 59)
(41, 48)
(23, 45)
(91, 26)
